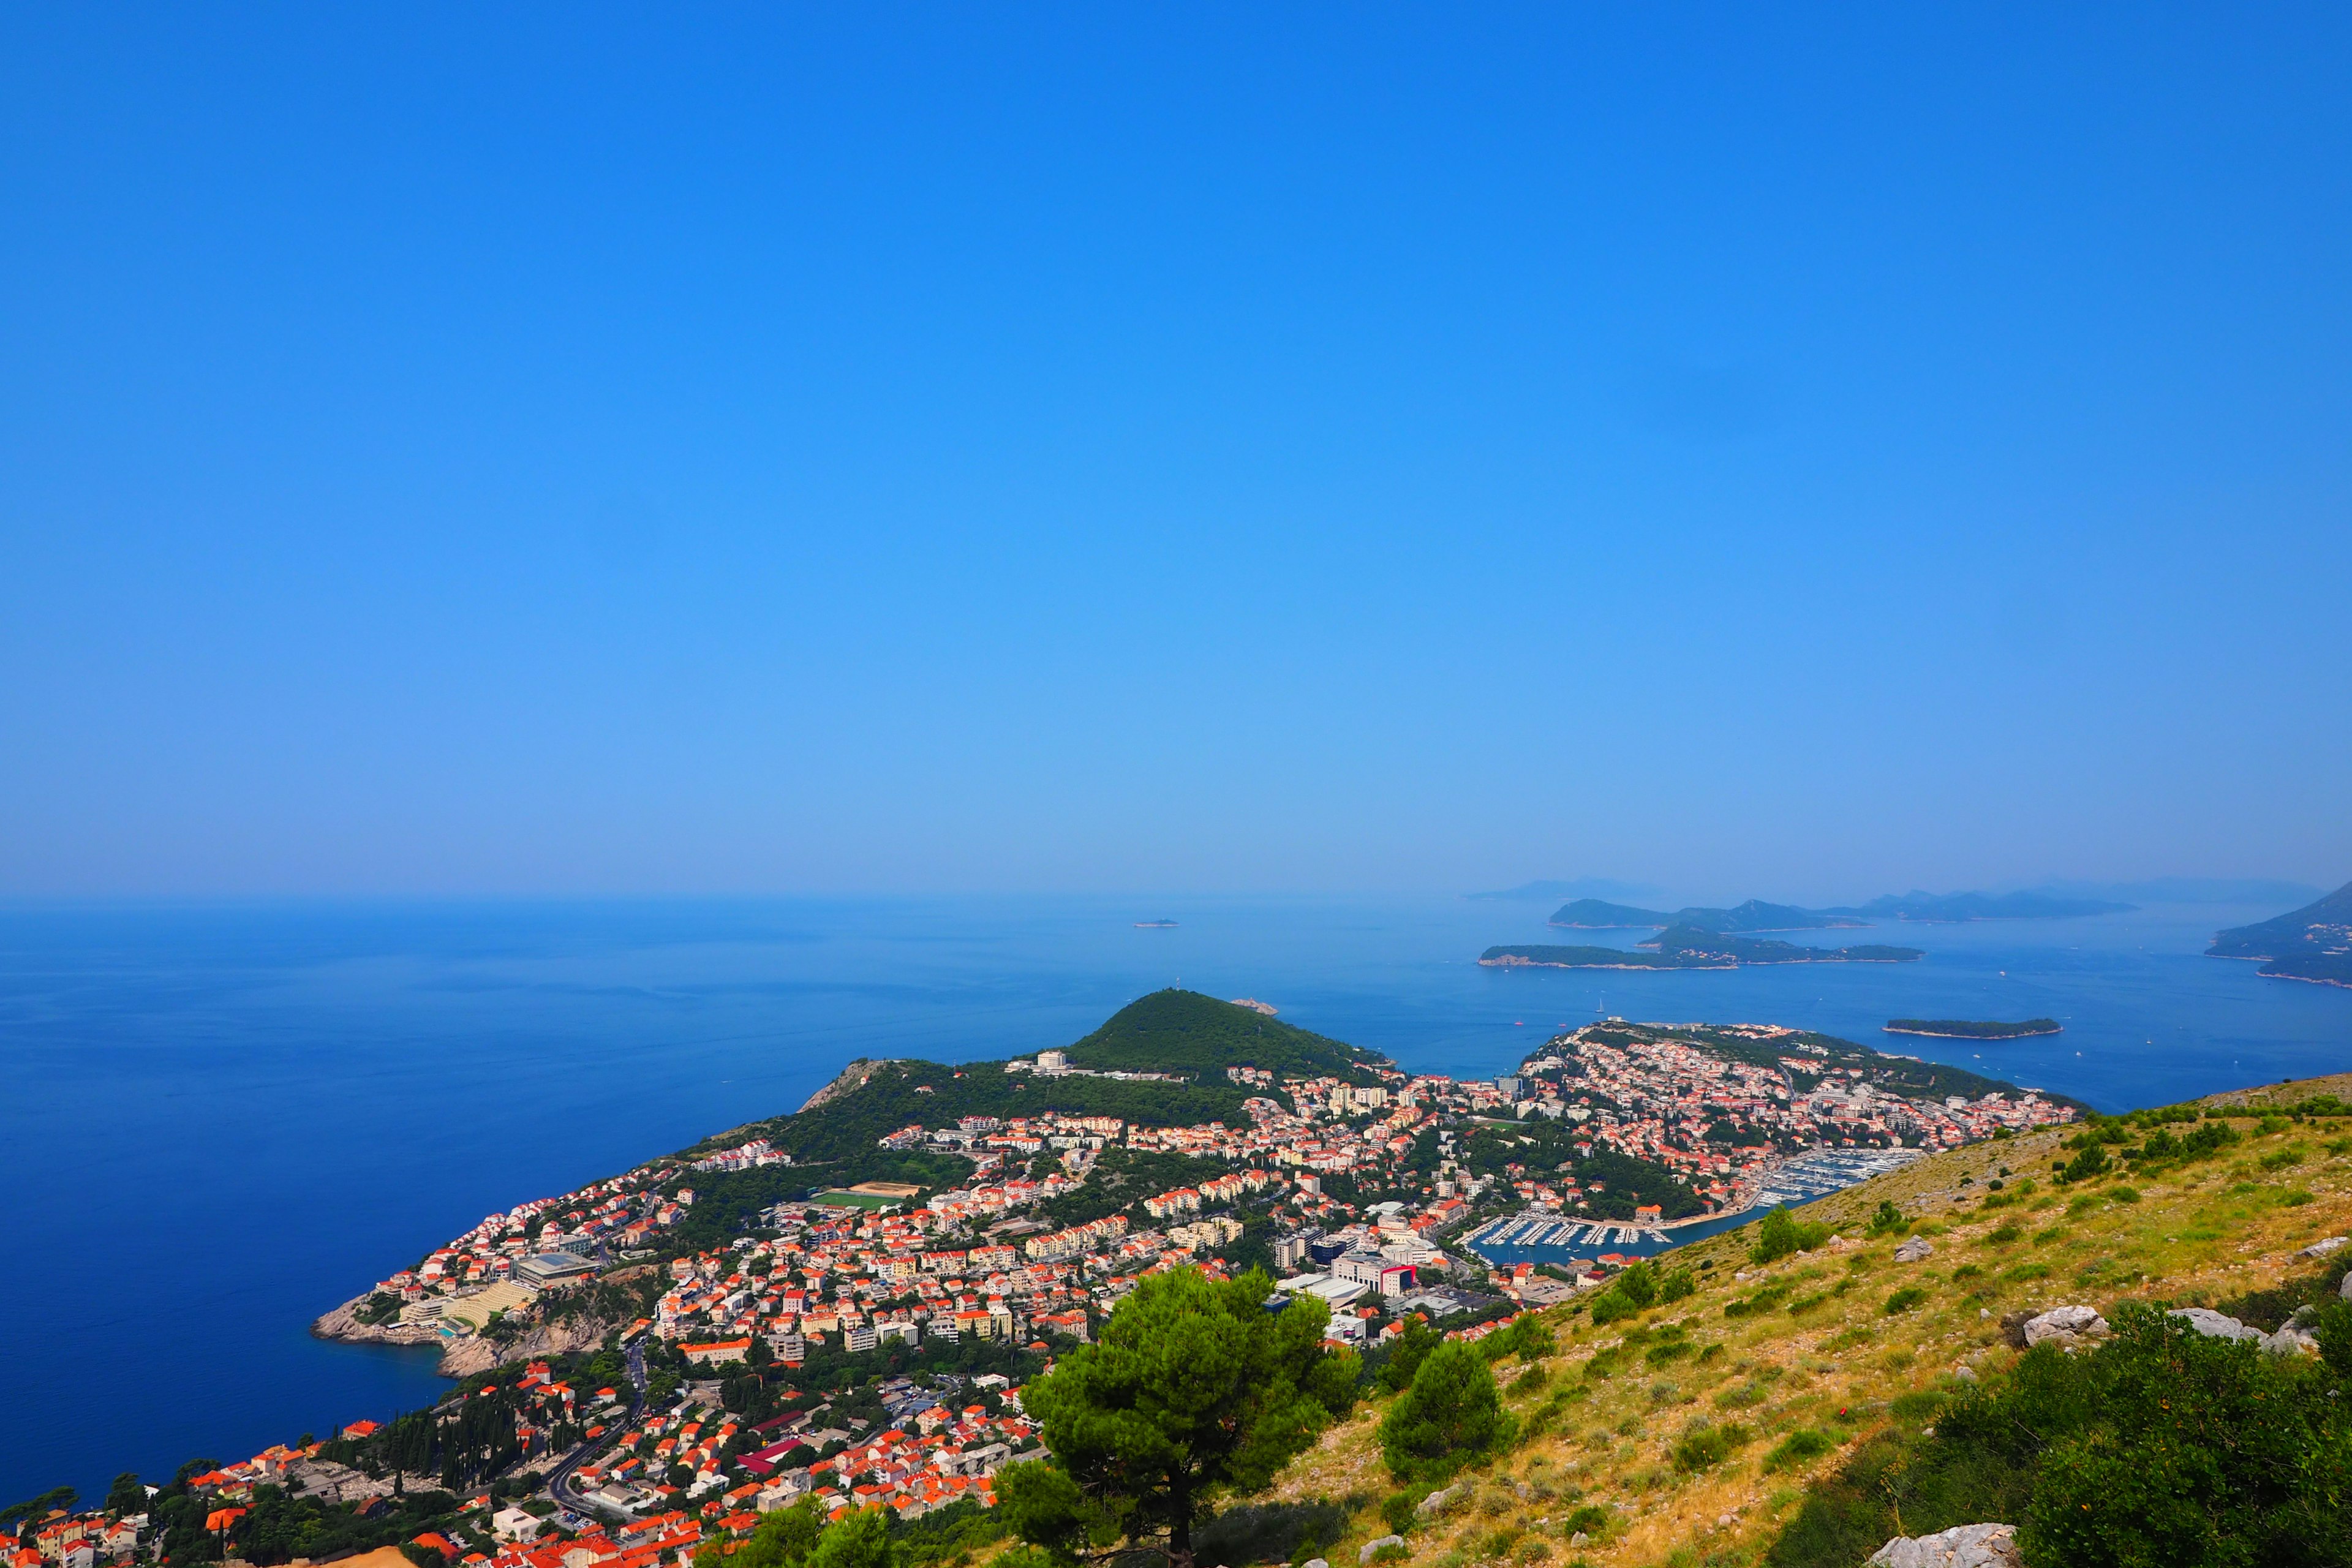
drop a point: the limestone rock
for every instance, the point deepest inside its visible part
(2322, 1246)
(2065, 1327)
(2213, 1324)
(2295, 1336)
(1438, 1502)
(2344, 1290)
(1913, 1250)
(1962, 1546)
(1370, 1547)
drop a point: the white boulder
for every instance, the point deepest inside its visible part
(1438, 1502)
(1962, 1546)
(1371, 1548)
(1913, 1250)
(2322, 1246)
(2065, 1327)
(2215, 1325)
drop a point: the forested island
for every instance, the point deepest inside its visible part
(2312, 944)
(1686, 947)
(1973, 1029)
(1756, 915)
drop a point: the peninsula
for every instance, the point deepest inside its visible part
(1969, 1029)
(2312, 944)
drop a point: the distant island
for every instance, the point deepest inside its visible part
(1756, 915)
(1969, 1029)
(1155, 925)
(1685, 947)
(2312, 944)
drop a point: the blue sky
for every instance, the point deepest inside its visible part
(1790, 451)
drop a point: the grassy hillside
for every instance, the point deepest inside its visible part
(1696, 1432)
(1183, 1031)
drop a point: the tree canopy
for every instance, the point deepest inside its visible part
(1449, 1415)
(1195, 1390)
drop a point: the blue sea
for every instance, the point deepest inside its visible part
(223, 1120)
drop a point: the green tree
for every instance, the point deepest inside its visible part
(1194, 1390)
(127, 1495)
(783, 1540)
(1411, 1347)
(1451, 1416)
(862, 1540)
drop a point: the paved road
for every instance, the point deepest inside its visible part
(559, 1481)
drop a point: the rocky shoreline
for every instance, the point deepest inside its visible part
(471, 1353)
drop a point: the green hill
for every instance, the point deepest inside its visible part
(2314, 942)
(1599, 914)
(1183, 1031)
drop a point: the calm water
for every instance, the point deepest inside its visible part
(222, 1121)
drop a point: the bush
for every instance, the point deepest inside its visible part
(1887, 1220)
(1902, 1301)
(1401, 1512)
(1781, 1235)
(2162, 1446)
(1272, 1533)
(1805, 1443)
(1705, 1447)
(1450, 1415)
(1679, 1286)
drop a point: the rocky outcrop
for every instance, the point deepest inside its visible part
(2293, 1337)
(1438, 1501)
(2065, 1327)
(1372, 1548)
(852, 1077)
(2322, 1246)
(471, 1353)
(1915, 1249)
(343, 1323)
(2215, 1325)
(1962, 1546)
(480, 1352)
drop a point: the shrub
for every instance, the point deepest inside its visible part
(1887, 1220)
(1902, 1301)
(1401, 1512)
(1704, 1445)
(1590, 1521)
(1450, 1415)
(1679, 1286)
(1781, 1235)
(1805, 1443)
(1271, 1532)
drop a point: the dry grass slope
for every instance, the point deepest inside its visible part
(1825, 1355)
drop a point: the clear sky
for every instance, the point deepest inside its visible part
(595, 448)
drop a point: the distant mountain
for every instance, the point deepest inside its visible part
(2314, 942)
(1581, 887)
(1183, 1031)
(1755, 915)
(1594, 914)
(1954, 907)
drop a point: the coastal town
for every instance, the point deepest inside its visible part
(643, 1375)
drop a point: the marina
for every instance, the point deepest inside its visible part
(1540, 1236)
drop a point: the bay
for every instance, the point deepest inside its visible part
(226, 1118)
